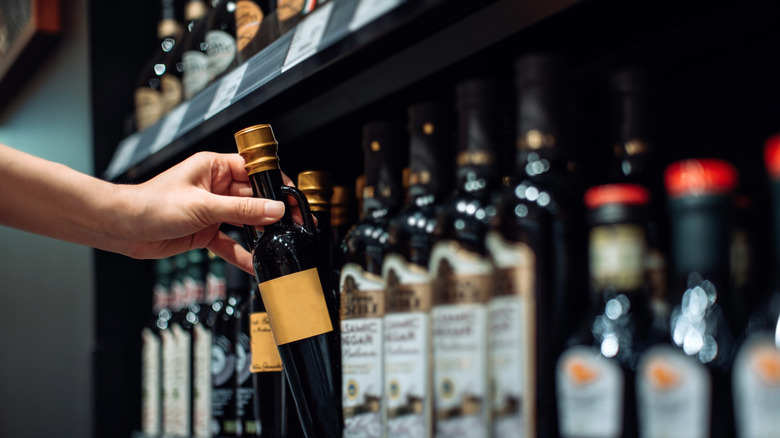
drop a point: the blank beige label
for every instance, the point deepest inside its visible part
(296, 306)
(265, 355)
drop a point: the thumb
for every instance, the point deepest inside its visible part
(244, 210)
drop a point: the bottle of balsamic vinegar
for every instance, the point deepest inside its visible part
(537, 247)
(285, 260)
(196, 61)
(247, 408)
(595, 373)
(409, 294)
(756, 383)
(220, 38)
(152, 352)
(159, 87)
(683, 386)
(460, 271)
(362, 290)
(177, 347)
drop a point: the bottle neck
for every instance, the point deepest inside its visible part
(478, 136)
(268, 184)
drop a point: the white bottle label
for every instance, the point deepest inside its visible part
(151, 373)
(182, 377)
(221, 51)
(201, 382)
(512, 346)
(196, 72)
(673, 394)
(408, 391)
(756, 381)
(169, 360)
(462, 284)
(362, 310)
(590, 394)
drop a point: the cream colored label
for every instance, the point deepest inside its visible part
(287, 9)
(151, 374)
(201, 381)
(248, 18)
(362, 293)
(459, 276)
(172, 92)
(265, 354)
(221, 51)
(148, 107)
(296, 306)
(409, 287)
(617, 256)
(756, 382)
(196, 72)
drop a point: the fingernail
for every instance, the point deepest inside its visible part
(274, 208)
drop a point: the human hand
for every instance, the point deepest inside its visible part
(182, 208)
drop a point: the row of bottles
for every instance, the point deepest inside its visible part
(214, 37)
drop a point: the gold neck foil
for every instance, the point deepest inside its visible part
(258, 146)
(318, 188)
(533, 140)
(339, 205)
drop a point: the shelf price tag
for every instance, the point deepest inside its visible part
(169, 127)
(227, 89)
(308, 35)
(368, 10)
(123, 155)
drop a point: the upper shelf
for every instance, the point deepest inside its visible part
(338, 38)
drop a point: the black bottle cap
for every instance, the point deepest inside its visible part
(539, 81)
(431, 141)
(383, 148)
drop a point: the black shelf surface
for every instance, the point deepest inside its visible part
(349, 68)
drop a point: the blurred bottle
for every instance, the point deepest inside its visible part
(755, 377)
(461, 272)
(159, 87)
(343, 216)
(537, 245)
(196, 61)
(683, 386)
(409, 296)
(360, 185)
(255, 27)
(362, 290)
(221, 38)
(177, 346)
(290, 12)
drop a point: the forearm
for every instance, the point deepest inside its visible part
(51, 199)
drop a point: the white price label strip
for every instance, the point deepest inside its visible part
(308, 35)
(169, 127)
(123, 155)
(368, 10)
(228, 87)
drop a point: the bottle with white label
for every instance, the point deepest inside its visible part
(177, 353)
(362, 289)
(220, 38)
(755, 377)
(194, 57)
(409, 296)
(595, 372)
(683, 385)
(461, 272)
(152, 352)
(536, 244)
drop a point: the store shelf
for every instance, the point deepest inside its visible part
(336, 38)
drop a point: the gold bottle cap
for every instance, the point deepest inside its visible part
(318, 187)
(258, 146)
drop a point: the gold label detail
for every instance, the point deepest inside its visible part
(356, 303)
(265, 354)
(148, 107)
(287, 9)
(248, 18)
(534, 139)
(617, 256)
(453, 288)
(416, 297)
(467, 158)
(296, 306)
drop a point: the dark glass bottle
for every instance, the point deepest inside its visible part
(342, 217)
(361, 286)
(159, 86)
(221, 38)
(151, 352)
(595, 373)
(177, 344)
(255, 27)
(248, 398)
(196, 60)
(537, 245)
(635, 160)
(461, 272)
(755, 377)
(360, 185)
(409, 295)
(285, 261)
(683, 386)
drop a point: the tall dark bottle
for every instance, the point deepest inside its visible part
(221, 38)
(409, 295)
(755, 375)
(683, 386)
(362, 290)
(196, 61)
(177, 346)
(285, 261)
(342, 217)
(635, 160)
(151, 352)
(461, 272)
(536, 244)
(159, 86)
(595, 373)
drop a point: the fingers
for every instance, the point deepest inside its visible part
(242, 210)
(232, 252)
